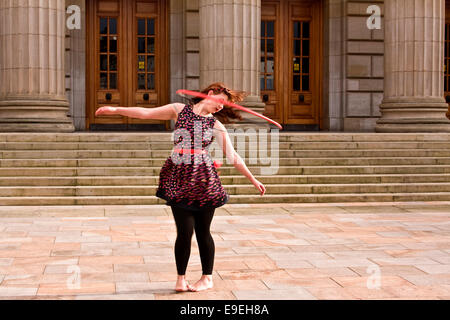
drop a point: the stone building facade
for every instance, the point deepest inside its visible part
(312, 65)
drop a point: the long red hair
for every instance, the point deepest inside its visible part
(227, 113)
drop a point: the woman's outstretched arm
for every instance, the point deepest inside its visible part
(166, 112)
(225, 144)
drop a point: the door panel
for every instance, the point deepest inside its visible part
(108, 57)
(301, 104)
(145, 57)
(296, 96)
(271, 83)
(128, 42)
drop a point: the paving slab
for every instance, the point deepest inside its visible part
(16, 291)
(274, 294)
(263, 251)
(119, 296)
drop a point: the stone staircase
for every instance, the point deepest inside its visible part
(91, 168)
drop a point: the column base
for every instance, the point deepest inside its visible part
(411, 127)
(41, 125)
(413, 115)
(35, 116)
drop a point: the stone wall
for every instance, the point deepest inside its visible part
(353, 67)
(75, 66)
(364, 50)
(184, 48)
(333, 65)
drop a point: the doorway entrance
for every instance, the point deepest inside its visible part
(291, 62)
(127, 60)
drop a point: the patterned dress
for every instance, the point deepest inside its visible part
(191, 181)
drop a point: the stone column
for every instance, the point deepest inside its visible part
(32, 78)
(414, 57)
(230, 51)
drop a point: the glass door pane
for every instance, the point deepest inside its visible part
(146, 54)
(108, 54)
(301, 56)
(267, 69)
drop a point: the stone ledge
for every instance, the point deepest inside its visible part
(87, 211)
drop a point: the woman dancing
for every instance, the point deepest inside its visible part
(192, 188)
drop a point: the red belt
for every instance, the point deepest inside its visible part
(217, 164)
(191, 151)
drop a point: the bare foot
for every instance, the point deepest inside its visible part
(182, 285)
(204, 283)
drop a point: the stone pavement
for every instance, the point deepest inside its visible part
(297, 251)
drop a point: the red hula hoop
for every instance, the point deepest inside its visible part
(228, 103)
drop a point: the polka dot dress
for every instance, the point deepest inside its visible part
(191, 181)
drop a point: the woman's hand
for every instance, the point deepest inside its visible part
(106, 111)
(258, 185)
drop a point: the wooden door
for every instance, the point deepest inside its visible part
(127, 60)
(291, 56)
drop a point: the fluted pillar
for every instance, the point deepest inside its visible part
(414, 78)
(230, 50)
(32, 79)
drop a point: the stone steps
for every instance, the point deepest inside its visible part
(130, 162)
(235, 189)
(230, 179)
(148, 154)
(227, 170)
(123, 168)
(298, 145)
(267, 198)
(166, 136)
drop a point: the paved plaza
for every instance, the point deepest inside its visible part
(393, 250)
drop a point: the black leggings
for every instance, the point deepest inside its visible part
(186, 221)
